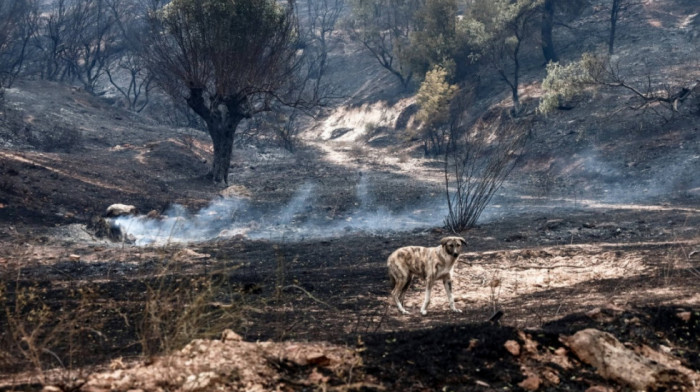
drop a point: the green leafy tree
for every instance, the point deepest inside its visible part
(434, 41)
(433, 98)
(228, 59)
(564, 82)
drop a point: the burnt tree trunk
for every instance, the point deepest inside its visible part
(222, 119)
(614, 16)
(514, 87)
(515, 81)
(222, 136)
(550, 55)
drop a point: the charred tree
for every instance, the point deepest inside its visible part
(477, 162)
(550, 54)
(228, 60)
(16, 29)
(510, 25)
(614, 16)
(556, 13)
(618, 9)
(384, 28)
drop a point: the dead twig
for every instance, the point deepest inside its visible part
(308, 294)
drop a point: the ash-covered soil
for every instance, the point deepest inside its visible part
(597, 227)
(630, 272)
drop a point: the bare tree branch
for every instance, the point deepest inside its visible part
(477, 162)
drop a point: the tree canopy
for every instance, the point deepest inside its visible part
(228, 59)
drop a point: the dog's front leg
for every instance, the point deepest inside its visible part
(426, 301)
(448, 289)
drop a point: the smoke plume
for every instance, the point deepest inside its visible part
(294, 221)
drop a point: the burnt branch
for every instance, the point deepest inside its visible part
(648, 93)
(477, 162)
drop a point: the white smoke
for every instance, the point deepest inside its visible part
(593, 177)
(296, 220)
(596, 180)
(178, 225)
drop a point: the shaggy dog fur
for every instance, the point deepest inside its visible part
(430, 264)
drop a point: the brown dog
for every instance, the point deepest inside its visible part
(430, 264)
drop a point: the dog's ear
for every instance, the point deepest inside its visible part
(444, 241)
(463, 241)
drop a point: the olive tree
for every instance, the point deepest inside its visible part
(434, 42)
(228, 59)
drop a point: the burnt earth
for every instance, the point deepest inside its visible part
(597, 227)
(336, 290)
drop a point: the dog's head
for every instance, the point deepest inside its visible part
(453, 245)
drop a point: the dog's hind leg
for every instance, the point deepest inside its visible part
(448, 289)
(405, 287)
(400, 280)
(428, 287)
(402, 293)
(400, 286)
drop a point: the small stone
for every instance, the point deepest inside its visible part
(230, 336)
(119, 209)
(598, 388)
(532, 383)
(551, 376)
(685, 316)
(318, 359)
(513, 347)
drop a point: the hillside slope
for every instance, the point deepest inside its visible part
(57, 140)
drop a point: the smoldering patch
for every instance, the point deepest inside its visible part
(297, 219)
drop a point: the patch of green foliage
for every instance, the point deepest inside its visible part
(565, 82)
